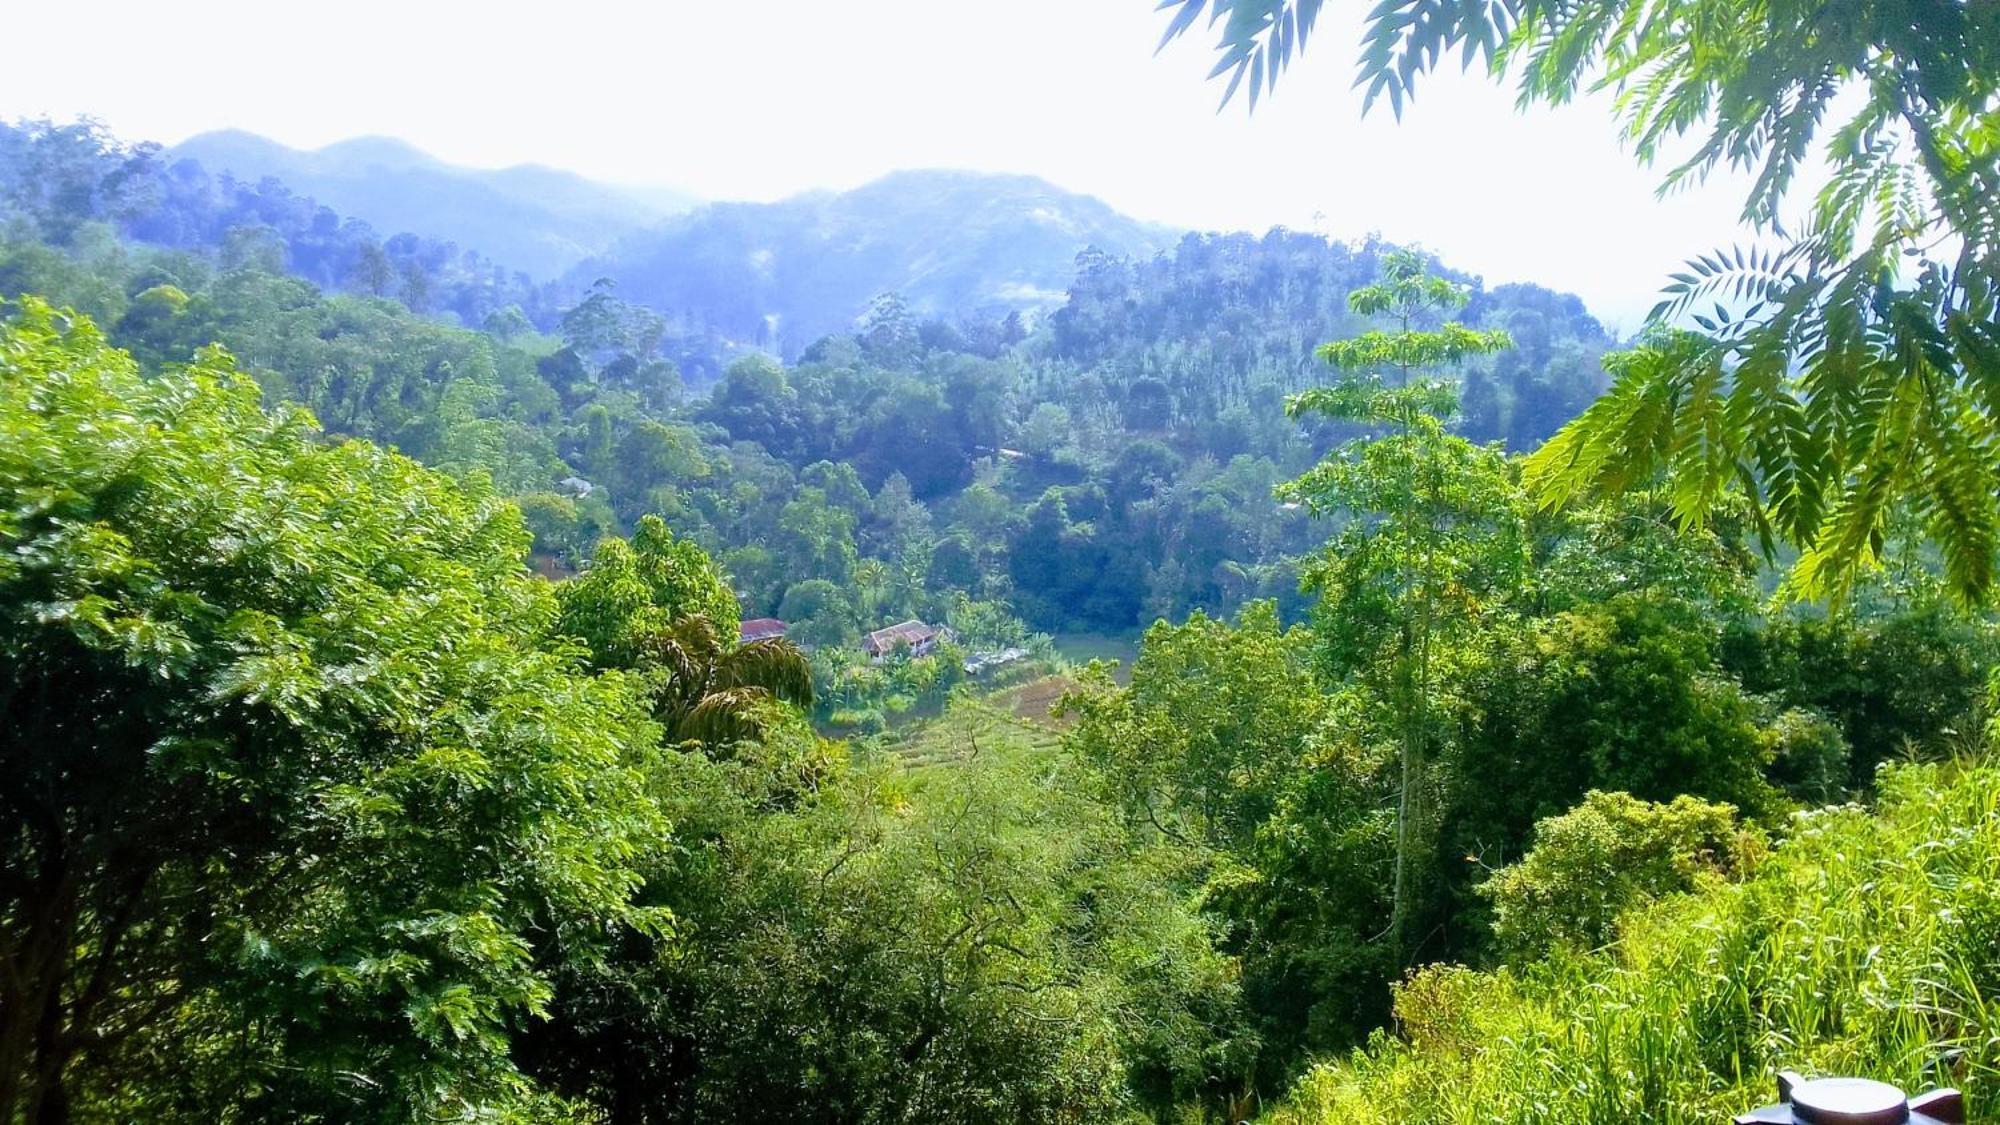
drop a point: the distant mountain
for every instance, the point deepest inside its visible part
(781, 275)
(531, 218)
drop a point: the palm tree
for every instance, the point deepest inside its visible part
(871, 585)
(710, 692)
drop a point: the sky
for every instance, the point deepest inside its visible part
(758, 99)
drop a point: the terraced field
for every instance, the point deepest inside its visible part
(1033, 702)
(967, 728)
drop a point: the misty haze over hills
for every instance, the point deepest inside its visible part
(781, 275)
(775, 275)
(532, 218)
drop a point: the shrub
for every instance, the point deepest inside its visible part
(1598, 860)
(1864, 944)
(1809, 755)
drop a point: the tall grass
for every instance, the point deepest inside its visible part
(1868, 943)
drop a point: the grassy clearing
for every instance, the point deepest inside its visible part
(1867, 944)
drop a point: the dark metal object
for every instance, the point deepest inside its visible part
(1854, 1101)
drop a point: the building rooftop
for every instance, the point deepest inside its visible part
(760, 629)
(911, 632)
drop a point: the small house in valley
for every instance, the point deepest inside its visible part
(913, 635)
(760, 629)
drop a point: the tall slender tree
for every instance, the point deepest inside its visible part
(1433, 527)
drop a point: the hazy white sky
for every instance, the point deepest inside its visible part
(761, 98)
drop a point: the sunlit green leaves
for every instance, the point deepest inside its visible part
(1852, 366)
(1449, 344)
(285, 704)
(1406, 295)
(1609, 855)
(1860, 945)
(1845, 402)
(657, 606)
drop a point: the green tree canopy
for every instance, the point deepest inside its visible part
(1600, 859)
(635, 590)
(292, 783)
(657, 606)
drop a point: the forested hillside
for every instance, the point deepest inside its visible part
(434, 690)
(781, 275)
(455, 840)
(1091, 469)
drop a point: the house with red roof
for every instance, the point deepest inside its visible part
(913, 635)
(760, 629)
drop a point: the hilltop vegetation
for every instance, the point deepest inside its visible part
(485, 846)
(1113, 464)
(354, 819)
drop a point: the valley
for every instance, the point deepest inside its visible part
(484, 643)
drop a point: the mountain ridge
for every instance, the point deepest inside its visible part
(531, 217)
(775, 275)
(784, 273)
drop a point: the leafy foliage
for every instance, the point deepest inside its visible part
(1224, 746)
(331, 812)
(1148, 402)
(1863, 944)
(1601, 860)
(976, 943)
(711, 692)
(658, 607)
(1608, 659)
(322, 816)
(1258, 40)
(1901, 678)
(295, 789)
(1845, 372)
(1625, 695)
(635, 592)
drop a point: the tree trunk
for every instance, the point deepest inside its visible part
(34, 1052)
(48, 1103)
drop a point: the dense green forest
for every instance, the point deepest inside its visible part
(1113, 465)
(1527, 725)
(425, 835)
